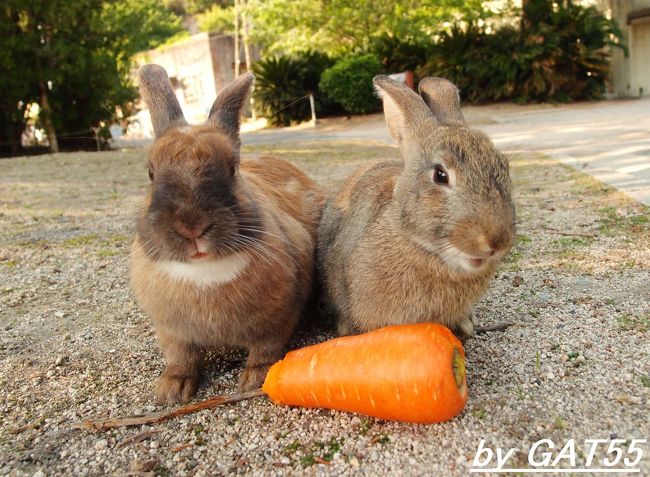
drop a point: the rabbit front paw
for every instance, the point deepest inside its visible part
(465, 326)
(174, 388)
(252, 377)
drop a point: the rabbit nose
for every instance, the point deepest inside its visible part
(191, 233)
(499, 241)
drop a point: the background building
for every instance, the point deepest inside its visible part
(631, 74)
(199, 67)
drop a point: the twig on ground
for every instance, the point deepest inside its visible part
(135, 473)
(161, 416)
(137, 438)
(569, 234)
(487, 329)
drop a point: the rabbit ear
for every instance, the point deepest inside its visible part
(158, 94)
(442, 98)
(226, 110)
(403, 108)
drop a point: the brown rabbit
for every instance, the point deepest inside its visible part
(224, 249)
(419, 239)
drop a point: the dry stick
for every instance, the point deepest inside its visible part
(487, 329)
(161, 416)
(569, 234)
(138, 437)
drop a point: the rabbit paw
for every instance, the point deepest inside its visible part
(252, 377)
(173, 389)
(345, 328)
(466, 326)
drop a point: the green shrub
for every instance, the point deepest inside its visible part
(558, 54)
(397, 55)
(349, 83)
(568, 50)
(314, 64)
(280, 82)
(484, 67)
(217, 19)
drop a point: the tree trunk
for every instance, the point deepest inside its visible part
(237, 60)
(47, 117)
(247, 51)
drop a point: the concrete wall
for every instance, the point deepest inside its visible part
(199, 67)
(189, 66)
(631, 74)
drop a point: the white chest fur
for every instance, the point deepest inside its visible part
(206, 273)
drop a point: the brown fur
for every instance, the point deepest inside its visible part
(259, 308)
(388, 241)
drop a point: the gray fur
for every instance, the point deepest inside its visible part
(442, 97)
(159, 96)
(396, 246)
(226, 110)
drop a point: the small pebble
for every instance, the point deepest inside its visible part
(101, 444)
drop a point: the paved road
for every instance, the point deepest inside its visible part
(609, 140)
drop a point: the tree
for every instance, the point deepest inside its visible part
(338, 27)
(73, 58)
(217, 19)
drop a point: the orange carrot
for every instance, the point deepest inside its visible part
(413, 373)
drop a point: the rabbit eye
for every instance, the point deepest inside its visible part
(440, 176)
(232, 171)
(151, 174)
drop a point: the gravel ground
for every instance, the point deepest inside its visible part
(73, 344)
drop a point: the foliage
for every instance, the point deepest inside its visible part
(397, 55)
(558, 54)
(481, 65)
(74, 56)
(217, 19)
(342, 27)
(281, 82)
(193, 7)
(349, 83)
(568, 48)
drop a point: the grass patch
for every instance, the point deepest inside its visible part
(314, 452)
(645, 381)
(523, 239)
(511, 262)
(479, 413)
(80, 241)
(612, 222)
(572, 242)
(364, 426)
(634, 323)
(110, 246)
(107, 252)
